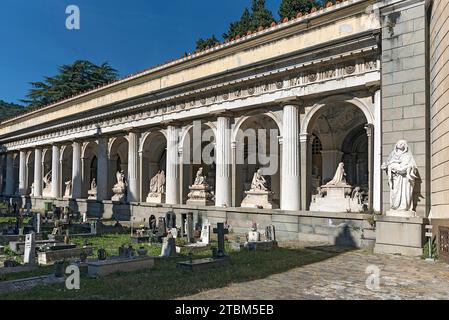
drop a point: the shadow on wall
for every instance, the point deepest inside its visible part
(345, 238)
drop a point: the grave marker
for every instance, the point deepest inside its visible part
(30, 249)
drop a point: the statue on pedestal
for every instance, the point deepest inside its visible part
(119, 188)
(338, 195)
(157, 188)
(200, 191)
(93, 190)
(32, 190)
(259, 196)
(402, 174)
(46, 191)
(68, 189)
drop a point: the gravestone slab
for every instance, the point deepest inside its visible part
(19, 246)
(30, 249)
(113, 265)
(201, 264)
(28, 283)
(50, 257)
(168, 247)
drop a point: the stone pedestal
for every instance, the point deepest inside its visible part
(335, 199)
(401, 214)
(200, 196)
(259, 200)
(119, 194)
(156, 198)
(400, 235)
(92, 194)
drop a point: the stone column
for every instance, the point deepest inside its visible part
(369, 132)
(304, 141)
(290, 199)
(2, 178)
(22, 173)
(9, 188)
(76, 170)
(38, 173)
(55, 172)
(377, 172)
(172, 177)
(102, 169)
(133, 167)
(234, 174)
(223, 186)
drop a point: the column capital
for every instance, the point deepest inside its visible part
(225, 113)
(373, 86)
(290, 101)
(304, 137)
(369, 129)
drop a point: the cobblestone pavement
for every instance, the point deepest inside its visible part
(344, 277)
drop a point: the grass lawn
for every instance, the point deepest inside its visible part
(165, 281)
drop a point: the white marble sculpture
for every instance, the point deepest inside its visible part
(200, 191)
(46, 191)
(68, 189)
(259, 196)
(157, 188)
(337, 195)
(32, 190)
(402, 174)
(119, 188)
(92, 192)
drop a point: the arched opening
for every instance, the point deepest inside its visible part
(66, 170)
(256, 142)
(89, 167)
(29, 178)
(154, 159)
(198, 154)
(118, 160)
(338, 134)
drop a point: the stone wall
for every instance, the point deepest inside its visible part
(403, 87)
(439, 106)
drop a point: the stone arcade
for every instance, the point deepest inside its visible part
(313, 91)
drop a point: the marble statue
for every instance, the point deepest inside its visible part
(119, 188)
(32, 190)
(402, 174)
(200, 191)
(340, 176)
(259, 196)
(157, 188)
(92, 192)
(46, 191)
(258, 182)
(68, 189)
(338, 196)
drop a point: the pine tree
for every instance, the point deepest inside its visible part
(9, 109)
(240, 27)
(202, 44)
(71, 80)
(289, 8)
(261, 16)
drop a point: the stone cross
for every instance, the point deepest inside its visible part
(30, 249)
(221, 232)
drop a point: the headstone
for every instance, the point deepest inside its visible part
(174, 232)
(84, 217)
(168, 247)
(93, 227)
(161, 227)
(189, 228)
(235, 246)
(30, 249)
(170, 219)
(270, 233)
(101, 254)
(205, 233)
(253, 236)
(221, 232)
(38, 223)
(152, 223)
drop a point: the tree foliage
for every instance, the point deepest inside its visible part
(202, 44)
(72, 79)
(289, 8)
(9, 109)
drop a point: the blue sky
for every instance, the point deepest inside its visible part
(131, 35)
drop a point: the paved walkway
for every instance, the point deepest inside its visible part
(344, 277)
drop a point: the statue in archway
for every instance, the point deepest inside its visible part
(68, 189)
(200, 178)
(157, 188)
(46, 191)
(200, 191)
(340, 176)
(402, 174)
(119, 188)
(259, 183)
(92, 192)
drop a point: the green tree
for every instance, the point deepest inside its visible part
(289, 8)
(202, 44)
(261, 16)
(72, 79)
(240, 27)
(9, 109)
